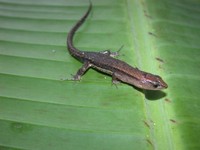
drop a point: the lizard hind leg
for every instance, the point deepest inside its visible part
(112, 54)
(81, 71)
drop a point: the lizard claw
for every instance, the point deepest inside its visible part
(76, 77)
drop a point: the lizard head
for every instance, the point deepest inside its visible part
(153, 82)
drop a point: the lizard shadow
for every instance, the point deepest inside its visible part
(152, 95)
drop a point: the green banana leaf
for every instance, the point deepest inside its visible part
(41, 109)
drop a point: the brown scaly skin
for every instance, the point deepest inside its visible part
(104, 62)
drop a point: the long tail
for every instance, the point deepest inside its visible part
(72, 50)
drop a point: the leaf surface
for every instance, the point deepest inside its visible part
(40, 109)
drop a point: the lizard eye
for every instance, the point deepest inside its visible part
(156, 84)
